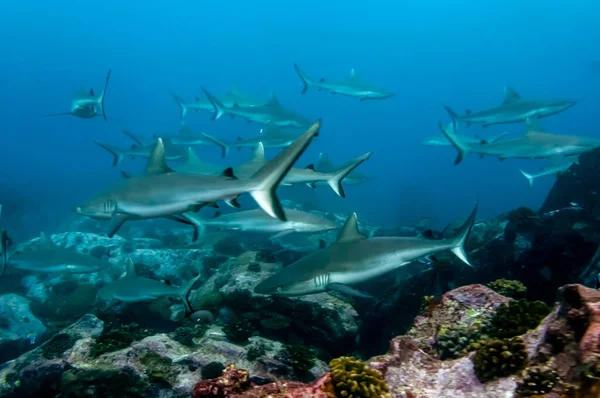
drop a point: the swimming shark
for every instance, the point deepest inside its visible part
(325, 166)
(557, 166)
(307, 176)
(354, 258)
(160, 192)
(49, 258)
(535, 144)
(441, 141)
(194, 165)
(86, 104)
(4, 243)
(351, 87)
(132, 288)
(233, 97)
(513, 109)
(172, 151)
(270, 138)
(270, 114)
(258, 221)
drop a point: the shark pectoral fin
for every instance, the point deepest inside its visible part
(341, 288)
(311, 185)
(233, 202)
(116, 222)
(282, 234)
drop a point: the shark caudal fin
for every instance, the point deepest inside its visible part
(305, 79)
(338, 175)
(220, 109)
(453, 115)
(184, 292)
(182, 105)
(461, 147)
(103, 94)
(225, 147)
(265, 181)
(529, 177)
(116, 152)
(458, 242)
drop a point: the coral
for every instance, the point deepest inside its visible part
(159, 369)
(115, 338)
(297, 356)
(240, 301)
(255, 351)
(426, 301)
(254, 266)
(521, 220)
(101, 382)
(233, 381)
(57, 345)
(517, 318)
(276, 322)
(212, 370)
(239, 331)
(498, 358)
(352, 378)
(187, 334)
(537, 381)
(507, 287)
(452, 343)
(211, 302)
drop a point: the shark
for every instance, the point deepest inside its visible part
(353, 259)
(132, 288)
(258, 221)
(307, 176)
(535, 144)
(325, 166)
(161, 192)
(5, 241)
(513, 109)
(441, 141)
(271, 137)
(194, 165)
(49, 257)
(351, 87)
(172, 151)
(86, 104)
(557, 166)
(270, 114)
(233, 97)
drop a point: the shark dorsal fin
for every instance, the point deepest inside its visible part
(324, 164)
(192, 158)
(350, 231)
(310, 167)
(510, 95)
(156, 162)
(353, 75)
(130, 268)
(274, 101)
(532, 126)
(46, 241)
(259, 154)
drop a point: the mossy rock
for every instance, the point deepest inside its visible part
(239, 331)
(212, 370)
(496, 358)
(537, 381)
(301, 358)
(57, 345)
(102, 382)
(516, 318)
(117, 337)
(352, 378)
(507, 287)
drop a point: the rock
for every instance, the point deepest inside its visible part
(19, 328)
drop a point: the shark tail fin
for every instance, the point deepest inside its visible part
(217, 105)
(116, 152)
(453, 115)
(462, 148)
(225, 147)
(197, 222)
(265, 181)
(529, 177)
(305, 79)
(182, 106)
(458, 242)
(184, 292)
(338, 175)
(101, 98)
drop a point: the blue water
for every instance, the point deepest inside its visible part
(427, 52)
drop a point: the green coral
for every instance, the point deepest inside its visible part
(116, 337)
(186, 334)
(239, 331)
(57, 345)
(454, 342)
(498, 358)
(159, 369)
(255, 351)
(517, 318)
(298, 357)
(352, 378)
(537, 381)
(507, 287)
(212, 370)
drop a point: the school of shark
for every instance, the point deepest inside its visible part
(296, 254)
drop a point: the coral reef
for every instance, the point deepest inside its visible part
(57, 345)
(537, 381)
(233, 381)
(508, 288)
(239, 331)
(516, 318)
(298, 357)
(353, 378)
(117, 337)
(212, 370)
(495, 358)
(255, 351)
(189, 333)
